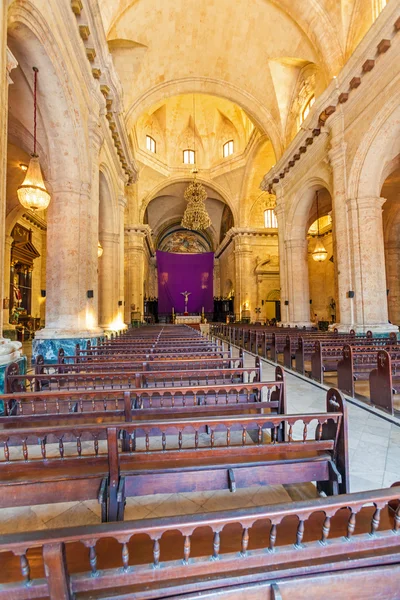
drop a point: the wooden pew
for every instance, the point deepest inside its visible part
(158, 462)
(326, 547)
(384, 382)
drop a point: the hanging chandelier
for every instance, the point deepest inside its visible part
(99, 250)
(319, 254)
(32, 194)
(195, 216)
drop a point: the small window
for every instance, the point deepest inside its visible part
(150, 144)
(188, 157)
(270, 221)
(307, 108)
(228, 148)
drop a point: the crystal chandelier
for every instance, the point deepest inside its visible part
(319, 254)
(32, 194)
(195, 216)
(99, 250)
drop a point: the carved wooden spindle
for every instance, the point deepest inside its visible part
(96, 446)
(260, 434)
(164, 441)
(212, 438)
(25, 568)
(132, 445)
(43, 447)
(244, 436)
(290, 432)
(305, 431)
(299, 534)
(93, 560)
(6, 451)
(325, 530)
(25, 449)
(186, 550)
(272, 538)
(156, 554)
(396, 525)
(351, 525)
(147, 441)
(180, 440)
(79, 445)
(245, 541)
(125, 557)
(19, 402)
(216, 545)
(375, 521)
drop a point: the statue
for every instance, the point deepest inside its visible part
(17, 294)
(186, 296)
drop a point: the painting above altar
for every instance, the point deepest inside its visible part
(182, 241)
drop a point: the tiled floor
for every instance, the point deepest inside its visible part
(374, 463)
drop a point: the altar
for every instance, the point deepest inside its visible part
(188, 319)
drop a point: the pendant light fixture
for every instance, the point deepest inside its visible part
(196, 216)
(320, 254)
(32, 194)
(99, 250)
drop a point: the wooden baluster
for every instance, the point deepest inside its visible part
(57, 405)
(96, 446)
(93, 560)
(260, 434)
(164, 441)
(228, 436)
(186, 550)
(396, 527)
(305, 431)
(212, 438)
(6, 451)
(125, 557)
(61, 446)
(43, 447)
(25, 569)
(156, 554)
(244, 436)
(25, 449)
(180, 440)
(325, 530)
(375, 521)
(351, 525)
(216, 545)
(132, 444)
(299, 534)
(79, 445)
(147, 441)
(290, 432)
(319, 435)
(19, 406)
(272, 538)
(81, 404)
(237, 396)
(245, 541)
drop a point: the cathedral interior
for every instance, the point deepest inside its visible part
(197, 194)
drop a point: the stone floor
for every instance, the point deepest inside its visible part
(374, 444)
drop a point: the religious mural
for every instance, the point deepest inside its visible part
(184, 242)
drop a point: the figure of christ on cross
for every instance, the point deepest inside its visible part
(186, 296)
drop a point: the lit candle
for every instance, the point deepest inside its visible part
(173, 310)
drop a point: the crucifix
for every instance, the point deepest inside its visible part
(186, 296)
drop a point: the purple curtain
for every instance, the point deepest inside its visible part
(185, 273)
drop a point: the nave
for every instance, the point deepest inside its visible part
(243, 499)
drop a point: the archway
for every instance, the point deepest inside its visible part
(391, 235)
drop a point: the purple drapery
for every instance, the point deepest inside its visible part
(185, 273)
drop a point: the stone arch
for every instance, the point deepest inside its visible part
(273, 296)
(299, 212)
(213, 87)
(184, 179)
(379, 146)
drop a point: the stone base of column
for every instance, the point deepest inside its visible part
(299, 325)
(49, 347)
(10, 332)
(378, 329)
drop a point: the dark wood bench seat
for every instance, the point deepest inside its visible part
(333, 546)
(225, 453)
(384, 382)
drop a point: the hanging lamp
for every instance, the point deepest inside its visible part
(32, 194)
(195, 216)
(99, 250)
(319, 254)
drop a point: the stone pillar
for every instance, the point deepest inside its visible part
(108, 280)
(370, 300)
(280, 216)
(392, 258)
(342, 246)
(217, 278)
(244, 277)
(134, 272)
(298, 283)
(122, 203)
(8, 329)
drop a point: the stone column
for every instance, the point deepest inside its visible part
(341, 218)
(122, 203)
(134, 271)
(280, 216)
(370, 300)
(217, 278)
(392, 258)
(298, 282)
(108, 280)
(8, 329)
(244, 276)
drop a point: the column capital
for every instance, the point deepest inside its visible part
(108, 237)
(11, 64)
(122, 202)
(296, 243)
(370, 203)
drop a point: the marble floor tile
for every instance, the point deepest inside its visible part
(79, 514)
